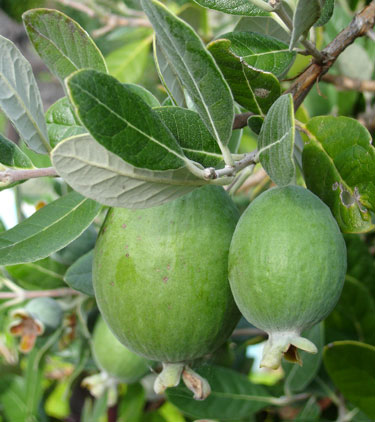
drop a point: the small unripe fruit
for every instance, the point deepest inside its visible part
(287, 265)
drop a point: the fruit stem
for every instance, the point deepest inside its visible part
(169, 377)
(284, 343)
(195, 383)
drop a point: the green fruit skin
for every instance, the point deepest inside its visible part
(160, 275)
(287, 261)
(114, 358)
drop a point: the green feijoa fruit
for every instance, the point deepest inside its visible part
(160, 276)
(287, 265)
(114, 358)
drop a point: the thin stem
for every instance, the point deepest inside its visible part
(349, 84)
(30, 294)
(241, 332)
(211, 173)
(240, 179)
(10, 176)
(262, 5)
(18, 200)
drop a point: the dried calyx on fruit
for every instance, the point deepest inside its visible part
(287, 265)
(161, 281)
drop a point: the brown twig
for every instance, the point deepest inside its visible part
(10, 175)
(30, 294)
(240, 120)
(345, 83)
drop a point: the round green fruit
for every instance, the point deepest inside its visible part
(114, 358)
(287, 265)
(160, 276)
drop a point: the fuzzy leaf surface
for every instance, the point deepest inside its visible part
(146, 96)
(195, 68)
(327, 12)
(132, 130)
(276, 141)
(307, 13)
(264, 25)
(102, 175)
(48, 230)
(62, 43)
(233, 7)
(339, 167)
(20, 97)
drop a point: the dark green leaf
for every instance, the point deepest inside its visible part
(48, 230)
(255, 123)
(195, 68)
(327, 12)
(252, 88)
(310, 412)
(12, 156)
(20, 97)
(62, 122)
(265, 25)
(351, 365)
(61, 43)
(192, 135)
(239, 7)
(276, 141)
(132, 130)
(146, 96)
(232, 396)
(339, 167)
(99, 174)
(79, 275)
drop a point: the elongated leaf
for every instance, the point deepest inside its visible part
(252, 88)
(168, 76)
(351, 365)
(339, 167)
(48, 230)
(99, 174)
(196, 69)
(79, 275)
(44, 274)
(327, 12)
(276, 141)
(20, 97)
(146, 96)
(232, 396)
(261, 51)
(128, 62)
(310, 412)
(195, 140)
(306, 14)
(132, 130)
(61, 122)
(238, 7)
(61, 43)
(265, 25)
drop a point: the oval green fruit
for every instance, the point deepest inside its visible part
(287, 265)
(114, 358)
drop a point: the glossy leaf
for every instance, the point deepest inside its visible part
(20, 97)
(132, 130)
(297, 378)
(238, 7)
(128, 62)
(192, 135)
(354, 315)
(339, 167)
(276, 141)
(48, 230)
(63, 45)
(307, 13)
(99, 174)
(62, 122)
(232, 396)
(351, 365)
(195, 68)
(44, 274)
(264, 25)
(252, 88)
(79, 275)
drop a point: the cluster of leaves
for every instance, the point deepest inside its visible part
(115, 143)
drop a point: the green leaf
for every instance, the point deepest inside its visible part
(264, 25)
(128, 62)
(20, 97)
(306, 14)
(252, 88)
(146, 96)
(79, 275)
(327, 12)
(297, 378)
(310, 412)
(132, 130)
(44, 274)
(261, 51)
(353, 316)
(351, 365)
(11, 155)
(63, 45)
(99, 174)
(232, 396)
(48, 230)
(196, 69)
(238, 7)
(130, 408)
(62, 122)
(192, 135)
(339, 167)
(276, 141)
